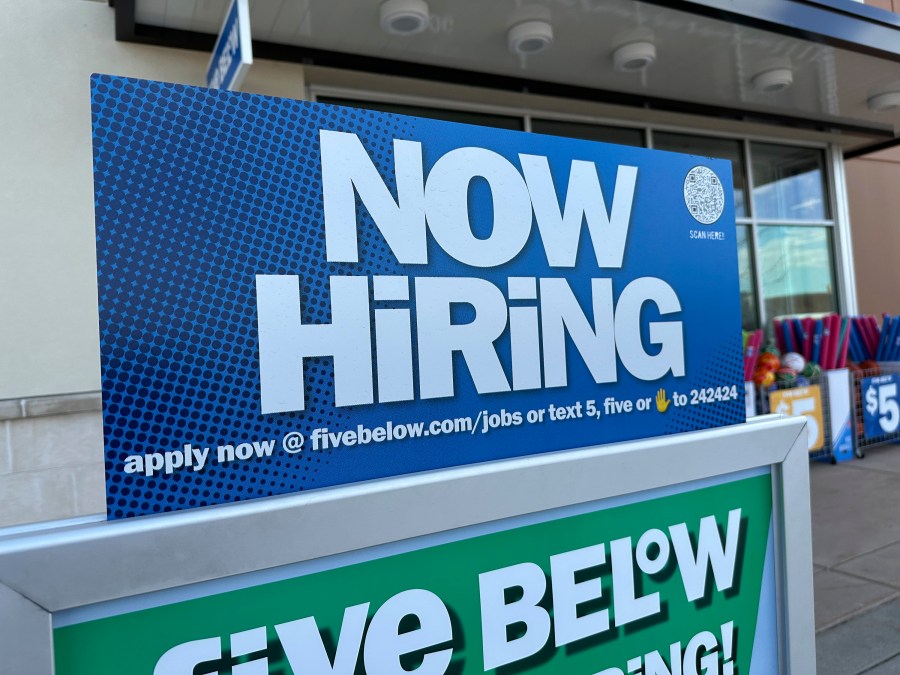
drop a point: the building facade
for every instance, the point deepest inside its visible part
(796, 100)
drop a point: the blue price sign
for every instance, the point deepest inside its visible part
(881, 410)
(295, 295)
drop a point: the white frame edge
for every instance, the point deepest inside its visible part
(72, 566)
(790, 493)
(246, 45)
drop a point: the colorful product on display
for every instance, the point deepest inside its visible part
(295, 295)
(829, 341)
(806, 401)
(797, 385)
(677, 580)
(820, 344)
(765, 370)
(752, 345)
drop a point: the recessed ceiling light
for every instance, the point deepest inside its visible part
(404, 17)
(634, 56)
(773, 80)
(884, 101)
(529, 37)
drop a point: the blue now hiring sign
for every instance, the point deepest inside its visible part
(232, 54)
(295, 295)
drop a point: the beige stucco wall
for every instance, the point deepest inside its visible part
(873, 194)
(48, 298)
(51, 458)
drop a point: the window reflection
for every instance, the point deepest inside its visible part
(789, 182)
(589, 132)
(464, 116)
(720, 148)
(797, 270)
(749, 314)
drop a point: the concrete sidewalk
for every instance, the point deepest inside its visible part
(856, 556)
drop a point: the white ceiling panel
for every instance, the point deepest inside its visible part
(208, 15)
(179, 14)
(290, 22)
(264, 13)
(151, 12)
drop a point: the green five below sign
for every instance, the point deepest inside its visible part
(666, 586)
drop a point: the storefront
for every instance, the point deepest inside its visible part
(786, 91)
(782, 90)
(452, 426)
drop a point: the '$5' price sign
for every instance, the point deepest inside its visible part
(881, 413)
(806, 401)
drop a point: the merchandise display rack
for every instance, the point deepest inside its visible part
(835, 419)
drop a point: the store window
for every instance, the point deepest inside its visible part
(797, 270)
(590, 132)
(784, 227)
(463, 116)
(794, 230)
(789, 183)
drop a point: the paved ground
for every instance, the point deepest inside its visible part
(856, 556)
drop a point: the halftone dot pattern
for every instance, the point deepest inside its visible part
(724, 365)
(196, 192)
(199, 191)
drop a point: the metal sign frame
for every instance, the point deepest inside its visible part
(71, 565)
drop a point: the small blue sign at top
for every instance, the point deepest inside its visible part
(233, 54)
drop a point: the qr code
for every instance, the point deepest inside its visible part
(704, 195)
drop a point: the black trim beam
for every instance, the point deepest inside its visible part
(125, 19)
(869, 149)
